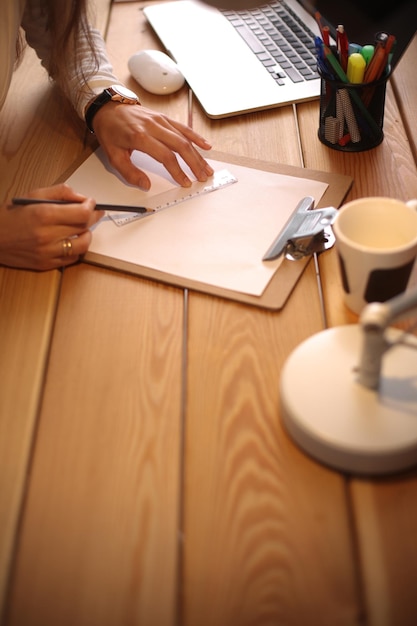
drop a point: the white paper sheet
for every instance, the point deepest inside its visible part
(218, 238)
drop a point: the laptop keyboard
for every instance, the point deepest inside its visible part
(280, 40)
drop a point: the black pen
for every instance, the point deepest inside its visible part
(98, 207)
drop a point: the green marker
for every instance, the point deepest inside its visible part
(368, 52)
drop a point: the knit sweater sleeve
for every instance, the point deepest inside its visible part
(79, 90)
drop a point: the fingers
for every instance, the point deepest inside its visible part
(45, 236)
(66, 220)
(188, 132)
(79, 211)
(119, 159)
(162, 138)
(62, 252)
(60, 191)
(69, 250)
(122, 129)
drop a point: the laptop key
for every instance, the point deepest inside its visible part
(294, 75)
(274, 29)
(250, 39)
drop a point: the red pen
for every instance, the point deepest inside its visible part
(324, 30)
(325, 33)
(342, 46)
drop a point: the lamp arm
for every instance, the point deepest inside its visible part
(374, 319)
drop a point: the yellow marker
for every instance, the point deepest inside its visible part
(356, 68)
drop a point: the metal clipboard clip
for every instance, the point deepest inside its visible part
(306, 232)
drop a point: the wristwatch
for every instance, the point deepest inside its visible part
(116, 93)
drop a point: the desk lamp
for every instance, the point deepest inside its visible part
(349, 393)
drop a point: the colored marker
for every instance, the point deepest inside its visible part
(354, 47)
(367, 52)
(342, 76)
(356, 68)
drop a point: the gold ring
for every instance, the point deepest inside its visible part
(67, 247)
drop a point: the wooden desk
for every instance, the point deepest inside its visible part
(145, 477)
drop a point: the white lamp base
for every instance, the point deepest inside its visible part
(342, 423)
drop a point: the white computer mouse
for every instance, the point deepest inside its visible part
(156, 72)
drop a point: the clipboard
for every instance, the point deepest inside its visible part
(287, 272)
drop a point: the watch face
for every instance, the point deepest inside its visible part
(124, 92)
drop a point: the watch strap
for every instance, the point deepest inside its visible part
(95, 106)
(116, 93)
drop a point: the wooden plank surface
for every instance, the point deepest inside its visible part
(99, 538)
(384, 510)
(118, 526)
(28, 299)
(405, 84)
(387, 544)
(27, 307)
(253, 540)
(267, 537)
(101, 519)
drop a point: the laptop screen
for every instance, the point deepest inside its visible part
(362, 19)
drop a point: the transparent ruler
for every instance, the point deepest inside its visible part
(167, 199)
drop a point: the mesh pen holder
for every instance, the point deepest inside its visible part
(352, 115)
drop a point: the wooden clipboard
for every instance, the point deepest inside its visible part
(285, 278)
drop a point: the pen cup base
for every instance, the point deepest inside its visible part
(349, 146)
(352, 115)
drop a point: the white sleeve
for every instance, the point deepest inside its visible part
(76, 88)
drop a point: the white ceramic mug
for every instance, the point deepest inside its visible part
(376, 240)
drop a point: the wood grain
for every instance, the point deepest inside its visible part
(259, 516)
(387, 509)
(26, 160)
(27, 308)
(28, 299)
(384, 510)
(405, 86)
(147, 479)
(267, 135)
(386, 521)
(99, 540)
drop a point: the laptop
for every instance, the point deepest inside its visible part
(238, 62)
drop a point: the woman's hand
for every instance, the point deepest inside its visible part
(47, 236)
(122, 128)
